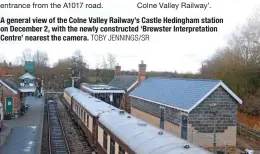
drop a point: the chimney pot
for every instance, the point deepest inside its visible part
(117, 70)
(142, 71)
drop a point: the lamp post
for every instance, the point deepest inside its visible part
(213, 109)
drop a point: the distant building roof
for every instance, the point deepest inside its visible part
(179, 93)
(10, 84)
(27, 76)
(123, 81)
(101, 88)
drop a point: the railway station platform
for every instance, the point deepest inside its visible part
(32, 118)
(21, 140)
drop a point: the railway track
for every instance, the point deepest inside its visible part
(53, 139)
(77, 141)
(57, 139)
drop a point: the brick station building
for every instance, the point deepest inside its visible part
(184, 106)
(10, 96)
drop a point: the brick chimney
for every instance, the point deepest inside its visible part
(117, 70)
(142, 72)
(4, 69)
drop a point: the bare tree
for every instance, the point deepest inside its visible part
(104, 64)
(245, 43)
(78, 62)
(18, 61)
(26, 56)
(111, 61)
(238, 64)
(41, 58)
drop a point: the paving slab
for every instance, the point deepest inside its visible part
(33, 117)
(21, 140)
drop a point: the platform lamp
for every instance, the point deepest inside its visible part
(212, 107)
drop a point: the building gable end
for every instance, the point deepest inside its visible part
(212, 90)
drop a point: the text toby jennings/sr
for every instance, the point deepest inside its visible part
(170, 5)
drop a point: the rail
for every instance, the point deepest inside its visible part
(57, 138)
(62, 128)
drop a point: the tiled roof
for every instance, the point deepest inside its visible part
(10, 84)
(178, 93)
(123, 81)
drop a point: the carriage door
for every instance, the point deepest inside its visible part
(95, 131)
(9, 105)
(162, 117)
(184, 127)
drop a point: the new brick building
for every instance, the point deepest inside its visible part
(185, 108)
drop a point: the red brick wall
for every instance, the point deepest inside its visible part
(16, 99)
(126, 100)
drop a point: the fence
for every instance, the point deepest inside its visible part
(249, 134)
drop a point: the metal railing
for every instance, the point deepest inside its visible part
(249, 134)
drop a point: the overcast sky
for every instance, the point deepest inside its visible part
(182, 52)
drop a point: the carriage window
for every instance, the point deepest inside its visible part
(87, 120)
(105, 141)
(81, 113)
(112, 146)
(121, 150)
(84, 117)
